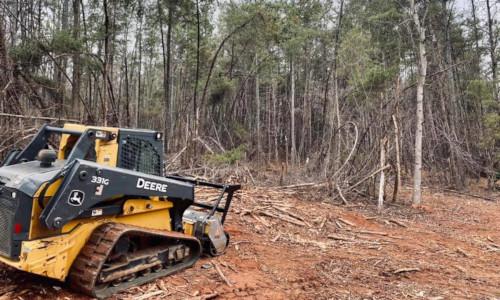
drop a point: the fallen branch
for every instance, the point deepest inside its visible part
(284, 218)
(461, 251)
(276, 238)
(367, 177)
(291, 214)
(339, 238)
(38, 118)
(293, 186)
(261, 220)
(372, 232)
(149, 295)
(461, 269)
(398, 223)
(199, 139)
(323, 223)
(406, 270)
(470, 195)
(341, 195)
(347, 222)
(176, 157)
(219, 271)
(205, 297)
(251, 176)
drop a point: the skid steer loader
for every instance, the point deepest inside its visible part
(99, 213)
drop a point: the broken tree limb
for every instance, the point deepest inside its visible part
(367, 177)
(341, 195)
(300, 185)
(381, 187)
(149, 295)
(398, 223)
(261, 220)
(347, 222)
(371, 232)
(276, 238)
(470, 195)
(406, 270)
(176, 157)
(290, 214)
(323, 223)
(339, 238)
(201, 141)
(250, 174)
(397, 178)
(37, 118)
(284, 218)
(461, 251)
(222, 276)
(205, 297)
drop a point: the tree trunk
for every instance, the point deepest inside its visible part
(257, 101)
(166, 55)
(292, 114)
(75, 91)
(333, 112)
(275, 119)
(422, 73)
(105, 68)
(381, 186)
(493, 41)
(139, 76)
(397, 179)
(61, 62)
(476, 37)
(196, 113)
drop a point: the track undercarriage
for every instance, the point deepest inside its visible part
(117, 257)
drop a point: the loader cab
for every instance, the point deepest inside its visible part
(132, 149)
(140, 150)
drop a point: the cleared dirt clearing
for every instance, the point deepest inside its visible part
(283, 247)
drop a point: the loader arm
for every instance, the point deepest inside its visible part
(87, 184)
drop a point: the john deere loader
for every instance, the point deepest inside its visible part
(97, 211)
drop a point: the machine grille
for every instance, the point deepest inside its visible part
(140, 155)
(7, 211)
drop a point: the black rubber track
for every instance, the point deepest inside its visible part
(87, 266)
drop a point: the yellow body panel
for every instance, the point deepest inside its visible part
(37, 229)
(53, 256)
(106, 151)
(188, 228)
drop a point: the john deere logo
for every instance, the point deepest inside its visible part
(76, 198)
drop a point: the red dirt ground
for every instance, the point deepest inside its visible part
(449, 249)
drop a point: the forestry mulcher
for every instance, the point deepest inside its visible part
(98, 212)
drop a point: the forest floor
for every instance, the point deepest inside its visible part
(284, 245)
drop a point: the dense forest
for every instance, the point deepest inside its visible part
(343, 92)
